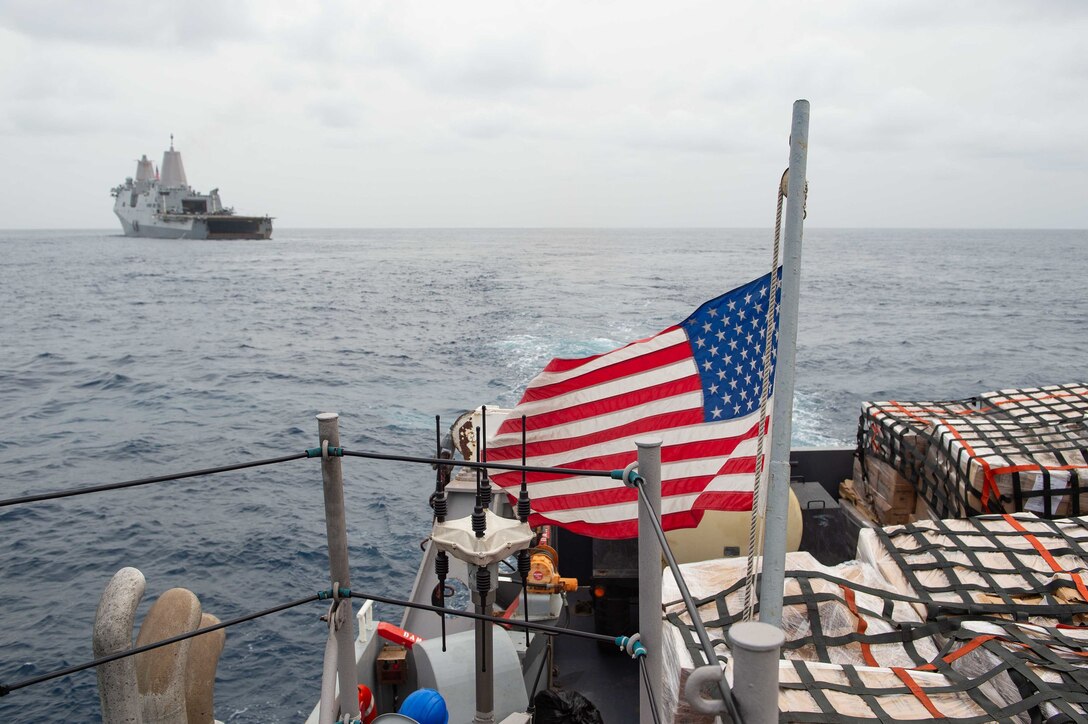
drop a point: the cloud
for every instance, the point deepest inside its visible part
(128, 23)
(336, 112)
(496, 66)
(683, 130)
(612, 112)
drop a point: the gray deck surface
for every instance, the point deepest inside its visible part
(607, 678)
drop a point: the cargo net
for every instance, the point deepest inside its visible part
(1005, 451)
(966, 621)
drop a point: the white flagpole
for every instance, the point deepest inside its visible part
(774, 548)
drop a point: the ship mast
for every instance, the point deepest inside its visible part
(774, 547)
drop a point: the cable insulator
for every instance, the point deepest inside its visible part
(483, 581)
(479, 522)
(485, 492)
(441, 565)
(523, 506)
(524, 564)
(440, 508)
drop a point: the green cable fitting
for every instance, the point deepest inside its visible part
(334, 452)
(629, 478)
(327, 594)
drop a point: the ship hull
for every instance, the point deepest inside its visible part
(178, 226)
(168, 208)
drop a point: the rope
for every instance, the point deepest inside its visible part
(147, 481)
(755, 532)
(6, 689)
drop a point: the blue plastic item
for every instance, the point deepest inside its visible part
(426, 706)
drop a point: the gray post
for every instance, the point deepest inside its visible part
(649, 577)
(328, 432)
(774, 547)
(755, 646)
(485, 645)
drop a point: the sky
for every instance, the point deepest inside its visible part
(932, 114)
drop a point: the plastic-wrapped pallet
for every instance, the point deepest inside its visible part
(899, 429)
(1048, 664)
(818, 692)
(1049, 405)
(1003, 464)
(854, 624)
(1014, 566)
(1003, 451)
(894, 451)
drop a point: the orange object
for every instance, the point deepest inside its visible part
(397, 635)
(367, 711)
(543, 576)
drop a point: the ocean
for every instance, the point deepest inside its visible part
(123, 358)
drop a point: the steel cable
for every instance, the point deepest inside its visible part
(147, 481)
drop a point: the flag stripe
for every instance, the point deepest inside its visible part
(578, 406)
(603, 403)
(601, 455)
(664, 339)
(619, 512)
(740, 468)
(637, 424)
(622, 368)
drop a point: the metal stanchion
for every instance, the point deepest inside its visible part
(328, 431)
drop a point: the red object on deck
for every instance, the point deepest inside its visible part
(397, 635)
(367, 710)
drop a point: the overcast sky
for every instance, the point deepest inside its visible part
(589, 113)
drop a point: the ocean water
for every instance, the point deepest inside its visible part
(123, 358)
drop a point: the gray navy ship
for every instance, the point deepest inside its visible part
(167, 207)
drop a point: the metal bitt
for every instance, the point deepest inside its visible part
(755, 646)
(774, 548)
(649, 578)
(328, 432)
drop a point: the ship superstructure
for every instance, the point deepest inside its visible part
(166, 207)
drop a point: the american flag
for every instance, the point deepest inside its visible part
(695, 385)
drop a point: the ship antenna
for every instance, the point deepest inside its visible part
(485, 484)
(438, 502)
(441, 477)
(479, 519)
(523, 515)
(171, 141)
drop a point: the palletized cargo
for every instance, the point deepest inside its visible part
(1005, 451)
(1018, 567)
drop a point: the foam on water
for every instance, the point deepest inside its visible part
(124, 358)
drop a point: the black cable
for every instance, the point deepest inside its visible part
(6, 689)
(147, 481)
(475, 464)
(649, 689)
(286, 458)
(483, 617)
